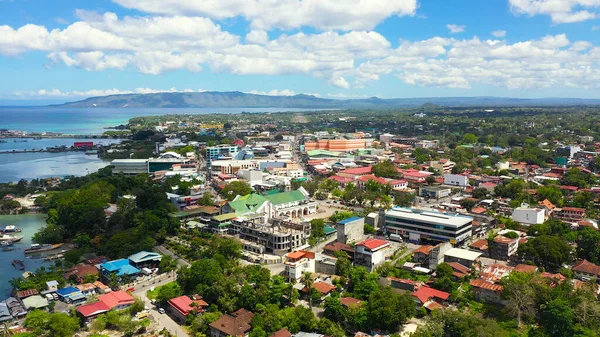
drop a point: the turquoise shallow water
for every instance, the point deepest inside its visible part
(93, 120)
(29, 223)
(16, 166)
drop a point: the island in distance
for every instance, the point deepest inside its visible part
(236, 99)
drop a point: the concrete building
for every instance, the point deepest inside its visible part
(342, 145)
(297, 263)
(371, 253)
(485, 291)
(528, 215)
(350, 230)
(502, 248)
(325, 264)
(586, 271)
(442, 165)
(277, 236)
(460, 180)
(221, 151)
(465, 257)
(129, 166)
(180, 307)
(435, 192)
(416, 225)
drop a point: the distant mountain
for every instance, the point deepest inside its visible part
(237, 99)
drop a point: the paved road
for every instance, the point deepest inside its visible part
(163, 320)
(163, 250)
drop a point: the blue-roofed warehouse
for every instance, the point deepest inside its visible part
(70, 295)
(120, 267)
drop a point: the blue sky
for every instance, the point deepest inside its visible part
(68, 50)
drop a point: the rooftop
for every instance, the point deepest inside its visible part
(323, 287)
(525, 268)
(480, 283)
(425, 293)
(121, 267)
(373, 244)
(345, 221)
(144, 256)
(462, 254)
(432, 217)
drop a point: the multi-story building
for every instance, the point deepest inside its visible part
(586, 271)
(442, 165)
(129, 166)
(570, 213)
(528, 215)
(485, 291)
(292, 204)
(370, 253)
(277, 236)
(465, 257)
(416, 225)
(461, 180)
(221, 151)
(502, 248)
(336, 145)
(297, 263)
(350, 230)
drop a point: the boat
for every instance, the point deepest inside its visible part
(20, 140)
(11, 238)
(6, 243)
(11, 229)
(37, 248)
(54, 257)
(2, 140)
(18, 264)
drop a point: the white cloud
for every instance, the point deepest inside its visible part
(560, 11)
(93, 92)
(455, 28)
(499, 33)
(340, 82)
(257, 37)
(285, 14)
(274, 92)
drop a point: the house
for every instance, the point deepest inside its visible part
(370, 253)
(586, 271)
(486, 291)
(460, 271)
(26, 293)
(92, 310)
(323, 288)
(480, 245)
(117, 300)
(4, 312)
(495, 272)
(404, 284)
(35, 302)
(52, 285)
(145, 259)
(297, 263)
(180, 307)
(235, 325)
(15, 307)
(465, 257)
(86, 289)
(350, 302)
(547, 206)
(101, 288)
(425, 294)
(78, 272)
(502, 248)
(282, 333)
(421, 255)
(333, 247)
(525, 268)
(71, 295)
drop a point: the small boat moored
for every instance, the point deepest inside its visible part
(19, 264)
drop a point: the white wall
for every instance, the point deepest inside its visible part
(456, 180)
(528, 215)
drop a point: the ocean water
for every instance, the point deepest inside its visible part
(40, 144)
(17, 166)
(80, 121)
(30, 224)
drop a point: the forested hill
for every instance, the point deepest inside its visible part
(237, 99)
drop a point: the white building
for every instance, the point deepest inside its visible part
(129, 166)
(371, 253)
(528, 215)
(456, 180)
(297, 263)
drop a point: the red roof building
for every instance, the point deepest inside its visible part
(92, 310)
(354, 172)
(282, 333)
(373, 244)
(525, 268)
(585, 270)
(424, 294)
(117, 299)
(182, 306)
(323, 287)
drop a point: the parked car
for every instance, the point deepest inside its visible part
(161, 310)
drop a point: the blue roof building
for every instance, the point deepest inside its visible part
(345, 221)
(121, 267)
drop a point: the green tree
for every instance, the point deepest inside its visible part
(557, 318)
(468, 204)
(546, 251)
(385, 169)
(520, 295)
(588, 244)
(168, 291)
(387, 310)
(469, 138)
(235, 188)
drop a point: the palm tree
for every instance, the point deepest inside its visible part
(308, 283)
(6, 331)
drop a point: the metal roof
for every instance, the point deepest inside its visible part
(452, 220)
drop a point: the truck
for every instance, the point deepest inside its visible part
(396, 237)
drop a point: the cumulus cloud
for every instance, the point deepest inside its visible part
(285, 14)
(94, 92)
(499, 33)
(340, 82)
(560, 11)
(455, 28)
(274, 92)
